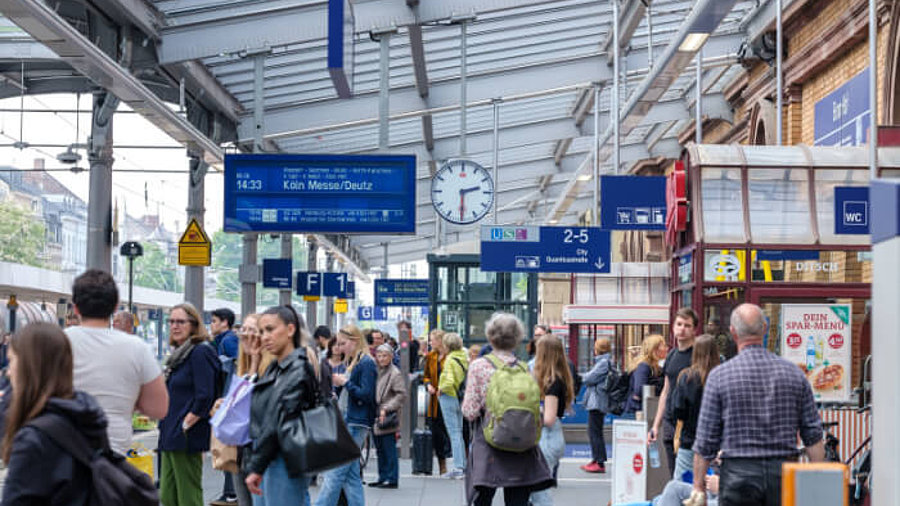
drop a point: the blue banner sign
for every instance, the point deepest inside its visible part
(364, 313)
(851, 210)
(401, 292)
(633, 202)
(370, 313)
(320, 193)
(792, 255)
(309, 284)
(340, 46)
(334, 284)
(277, 273)
(842, 117)
(545, 249)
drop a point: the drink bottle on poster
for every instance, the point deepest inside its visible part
(817, 337)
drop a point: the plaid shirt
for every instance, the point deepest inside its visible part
(754, 406)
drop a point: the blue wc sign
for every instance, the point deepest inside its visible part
(851, 210)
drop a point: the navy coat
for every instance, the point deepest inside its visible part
(192, 389)
(40, 472)
(361, 393)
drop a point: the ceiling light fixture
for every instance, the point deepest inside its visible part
(693, 42)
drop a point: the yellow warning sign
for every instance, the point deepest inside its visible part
(340, 305)
(194, 247)
(311, 298)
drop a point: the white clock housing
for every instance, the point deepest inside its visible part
(462, 192)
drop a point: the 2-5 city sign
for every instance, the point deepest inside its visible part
(545, 249)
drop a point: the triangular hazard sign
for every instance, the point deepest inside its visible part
(194, 234)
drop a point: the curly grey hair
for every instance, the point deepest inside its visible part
(504, 331)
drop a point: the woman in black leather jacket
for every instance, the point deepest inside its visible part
(289, 381)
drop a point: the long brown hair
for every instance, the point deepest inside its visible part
(550, 364)
(43, 370)
(704, 357)
(353, 333)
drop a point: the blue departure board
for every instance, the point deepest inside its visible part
(371, 194)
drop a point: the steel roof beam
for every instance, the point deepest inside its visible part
(630, 18)
(196, 31)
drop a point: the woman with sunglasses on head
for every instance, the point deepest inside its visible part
(288, 383)
(191, 374)
(39, 471)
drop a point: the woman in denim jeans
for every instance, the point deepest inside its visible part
(551, 371)
(455, 366)
(359, 393)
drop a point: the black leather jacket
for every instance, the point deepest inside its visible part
(286, 386)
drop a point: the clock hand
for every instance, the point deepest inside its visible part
(462, 204)
(469, 190)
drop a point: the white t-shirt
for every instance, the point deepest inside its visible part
(112, 366)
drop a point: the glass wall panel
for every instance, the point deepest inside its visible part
(811, 266)
(825, 183)
(451, 282)
(779, 206)
(723, 216)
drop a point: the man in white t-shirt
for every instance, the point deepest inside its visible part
(118, 369)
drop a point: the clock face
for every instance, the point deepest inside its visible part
(462, 191)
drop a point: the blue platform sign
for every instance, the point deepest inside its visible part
(633, 202)
(842, 117)
(320, 193)
(851, 210)
(309, 284)
(277, 273)
(364, 313)
(370, 313)
(401, 292)
(334, 284)
(544, 249)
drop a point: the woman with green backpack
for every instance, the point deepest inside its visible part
(504, 399)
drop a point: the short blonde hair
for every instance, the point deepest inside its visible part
(452, 341)
(504, 331)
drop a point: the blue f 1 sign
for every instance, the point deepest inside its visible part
(851, 210)
(309, 284)
(335, 285)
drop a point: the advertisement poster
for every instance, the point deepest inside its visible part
(629, 480)
(817, 337)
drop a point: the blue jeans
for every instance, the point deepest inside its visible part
(388, 465)
(346, 478)
(553, 447)
(278, 487)
(453, 420)
(684, 461)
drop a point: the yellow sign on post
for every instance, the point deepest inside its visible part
(194, 247)
(340, 305)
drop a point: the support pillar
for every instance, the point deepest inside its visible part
(249, 271)
(311, 266)
(100, 157)
(194, 275)
(329, 307)
(287, 252)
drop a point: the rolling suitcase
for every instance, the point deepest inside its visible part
(423, 452)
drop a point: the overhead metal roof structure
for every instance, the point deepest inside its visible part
(539, 59)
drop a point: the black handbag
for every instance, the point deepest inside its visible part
(391, 422)
(316, 439)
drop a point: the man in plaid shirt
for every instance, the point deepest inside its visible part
(754, 407)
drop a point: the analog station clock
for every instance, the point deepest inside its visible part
(462, 192)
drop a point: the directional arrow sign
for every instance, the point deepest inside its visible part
(545, 249)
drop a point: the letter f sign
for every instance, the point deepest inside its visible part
(312, 283)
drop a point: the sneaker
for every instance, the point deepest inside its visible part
(225, 500)
(593, 467)
(455, 474)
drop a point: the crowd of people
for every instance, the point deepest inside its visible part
(494, 418)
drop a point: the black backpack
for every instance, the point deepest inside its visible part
(616, 387)
(114, 481)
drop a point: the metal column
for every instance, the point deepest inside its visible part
(698, 107)
(649, 36)
(384, 104)
(463, 70)
(100, 156)
(249, 272)
(496, 104)
(595, 210)
(287, 253)
(312, 266)
(779, 75)
(329, 308)
(194, 275)
(615, 91)
(873, 88)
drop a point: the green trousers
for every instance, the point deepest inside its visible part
(181, 479)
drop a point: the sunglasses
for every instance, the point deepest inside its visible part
(180, 322)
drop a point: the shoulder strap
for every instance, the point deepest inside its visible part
(61, 431)
(461, 364)
(492, 359)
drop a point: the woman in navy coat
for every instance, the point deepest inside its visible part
(191, 376)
